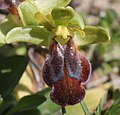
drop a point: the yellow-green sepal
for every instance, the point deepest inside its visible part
(92, 35)
(77, 21)
(27, 10)
(6, 25)
(62, 15)
(37, 35)
(46, 6)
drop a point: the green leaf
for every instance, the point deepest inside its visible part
(100, 49)
(1, 100)
(11, 70)
(27, 10)
(116, 94)
(7, 104)
(77, 21)
(28, 103)
(107, 18)
(33, 34)
(85, 108)
(5, 26)
(48, 107)
(28, 112)
(56, 113)
(92, 35)
(62, 15)
(114, 109)
(115, 37)
(46, 6)
(110, 16)
(99, 108)
(107, 68)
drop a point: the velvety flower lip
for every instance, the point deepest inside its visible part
(67, 91)
(65, 70)
(86, 69)
(72, 61)
(53, 67)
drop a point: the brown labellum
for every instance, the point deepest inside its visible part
(64, 70)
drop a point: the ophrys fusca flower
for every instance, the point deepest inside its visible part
(65, 71)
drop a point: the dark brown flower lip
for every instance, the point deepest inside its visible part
(78, 66)
(65, 70)
(68, 92)
(86, 69)
(72, 62)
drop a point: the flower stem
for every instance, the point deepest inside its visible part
(85, 108)
(63, 110)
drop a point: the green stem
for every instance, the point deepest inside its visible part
(63, 110)
(85, 108)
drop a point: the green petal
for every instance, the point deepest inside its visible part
(92, 35)
(62, 15)
(5, 26)
(62, 34)
(77, 21)
(46, 6)
(27, 10)
(34, 35)
(43, 20)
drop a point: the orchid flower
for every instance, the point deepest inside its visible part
(52, 24)
(65, 71)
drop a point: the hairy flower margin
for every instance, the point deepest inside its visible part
(65, 71)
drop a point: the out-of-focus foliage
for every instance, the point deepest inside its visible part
(11, 68)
